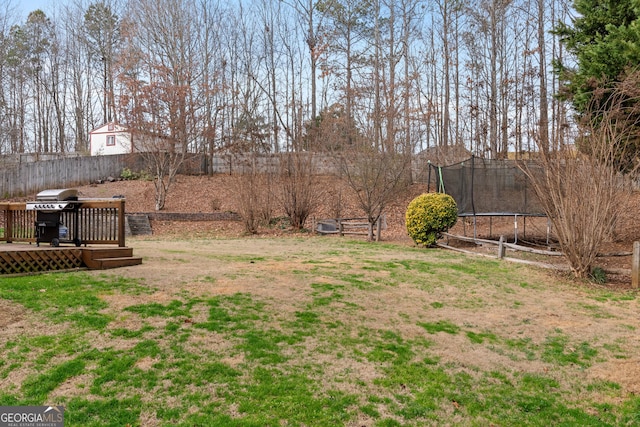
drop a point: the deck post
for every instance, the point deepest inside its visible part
(8, 224)
(121, 223)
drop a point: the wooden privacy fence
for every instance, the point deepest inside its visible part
(23, 178)
(96, 221)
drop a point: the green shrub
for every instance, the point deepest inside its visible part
(428, 215)
(127, 175)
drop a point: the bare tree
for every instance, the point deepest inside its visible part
(102, 35)
(271, 20)
(444, 9)
(15, 78)
(312, 21)
(377, 178)
(39, 39)
(407, 73)
(579, 185)
(543, 128)
(411, 15)
(560, 12)
(161, 72)
(351, 25)
(83, 78)
(254, 189)
(300, 193)
(8, 89)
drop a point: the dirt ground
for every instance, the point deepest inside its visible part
(218, 193)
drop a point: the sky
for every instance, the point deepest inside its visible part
(26, 6)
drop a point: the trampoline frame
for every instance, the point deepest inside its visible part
(504, 214)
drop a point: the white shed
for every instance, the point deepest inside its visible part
(110, 138)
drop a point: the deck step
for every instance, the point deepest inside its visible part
(104, 263)
(103, 258)
(106, 252)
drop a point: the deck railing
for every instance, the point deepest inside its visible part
(96, 221)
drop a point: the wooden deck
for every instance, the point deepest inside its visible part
(25, 259)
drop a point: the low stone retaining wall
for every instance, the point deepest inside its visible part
(196, 216)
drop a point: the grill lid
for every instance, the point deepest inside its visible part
(57, 195)
(54, 200)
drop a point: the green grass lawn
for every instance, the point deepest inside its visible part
(317, 332)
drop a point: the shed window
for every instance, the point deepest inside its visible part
(111, 140)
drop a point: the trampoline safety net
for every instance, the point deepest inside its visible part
(487, 187)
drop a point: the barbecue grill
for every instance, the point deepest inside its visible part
(52, 207)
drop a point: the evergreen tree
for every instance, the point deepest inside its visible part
(605, 41)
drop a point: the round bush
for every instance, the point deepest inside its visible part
(428, 215)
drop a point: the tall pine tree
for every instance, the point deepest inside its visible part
(604, 39)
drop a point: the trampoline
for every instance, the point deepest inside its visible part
(489, 188)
